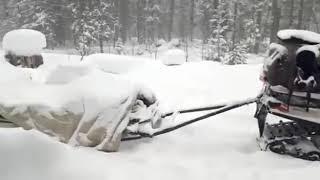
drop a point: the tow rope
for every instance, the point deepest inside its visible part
(219, 110)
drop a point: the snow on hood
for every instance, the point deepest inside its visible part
(308, 36)
(24, 42)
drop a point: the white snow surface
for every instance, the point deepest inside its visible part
(308, 36)
(221, 147)
(173, 57)
(24, 42)
(117, 64)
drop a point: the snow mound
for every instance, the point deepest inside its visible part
(117, 64)
(78, 105)
(64, 74)
(304, 35)
(24, 42)
(174, 57)
(314, 49)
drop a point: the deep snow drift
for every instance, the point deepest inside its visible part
(222, 147)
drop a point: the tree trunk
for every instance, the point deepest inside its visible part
(192, 19)
(116, 27)
(315, 20)
(259, 24)
(276, 15)
(266, 26)
(308, 15)
(300, 17)
(124, 16)
(101, 45)
(141, 4)
(234, 35)
(291, 14)
(171, 18)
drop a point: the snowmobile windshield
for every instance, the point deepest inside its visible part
(307, 62)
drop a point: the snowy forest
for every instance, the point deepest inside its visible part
(220, 28)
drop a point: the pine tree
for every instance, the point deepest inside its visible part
(141, 21)
(92, 24)
(206, 9)
(103, 21)
(83, 27)
(237, 55)
(252, 25)
(39, 15)
(153, 12)
(220, 24)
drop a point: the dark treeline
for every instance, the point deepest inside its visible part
(219, 25)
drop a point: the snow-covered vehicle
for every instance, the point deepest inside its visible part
(23, 47)
(291, 75)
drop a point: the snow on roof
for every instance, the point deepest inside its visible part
(24, 42)
(314, 49)
(304, 35)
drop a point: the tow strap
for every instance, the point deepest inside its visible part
(219, 110)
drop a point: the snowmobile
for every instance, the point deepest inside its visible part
(291, 76)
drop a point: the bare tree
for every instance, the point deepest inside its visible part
(291, 14)
(300, 17)
(124, 16)
(276, 16)
(171, 19)
(235, 14)
(192, 19)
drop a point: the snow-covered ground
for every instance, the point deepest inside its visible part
(222, 147)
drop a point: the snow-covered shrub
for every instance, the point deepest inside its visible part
(175, 43)
(174, 57)
(23, 47)
(216, 49)
(237, 55)
(161, 42)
